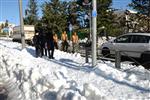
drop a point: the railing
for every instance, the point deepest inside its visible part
(86, 52)
(143, 60)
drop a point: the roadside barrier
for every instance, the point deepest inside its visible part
(117, 57)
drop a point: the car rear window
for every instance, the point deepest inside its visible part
(140, 39)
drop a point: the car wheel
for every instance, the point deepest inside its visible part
(13, 40)
(105, 52)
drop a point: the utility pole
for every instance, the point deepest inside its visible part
(149, 16)
(21, 24)
(94, 31)
(70, 30)
(90, 22)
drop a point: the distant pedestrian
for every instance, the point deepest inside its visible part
(55, 37)
(64, 39)
(50, 45)
(37, 42)
(74, 42)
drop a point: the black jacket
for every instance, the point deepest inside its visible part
(50, 41)
(36, 41)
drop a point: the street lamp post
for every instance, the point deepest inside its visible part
(21, 24)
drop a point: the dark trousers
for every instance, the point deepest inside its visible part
(65, 46)
(56, 45)
(43, 51)
(74, 47)
(3, 96)
(51, 53)
(37, 51)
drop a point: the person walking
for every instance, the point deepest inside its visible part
(41, 44)
(75, 40)
(50, 45)
(37, 43)
(55, 37)
(64, 39)
(44, 44)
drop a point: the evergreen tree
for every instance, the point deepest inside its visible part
(84, 2)
(6, 23)
(54, 16)
(71, 12)
(105, 17)
(2, 26)
(143, 7)
(31, 17)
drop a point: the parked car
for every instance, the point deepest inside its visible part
(135, 45)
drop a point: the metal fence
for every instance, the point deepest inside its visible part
(118, 57)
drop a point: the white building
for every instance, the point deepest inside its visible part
(8, 30)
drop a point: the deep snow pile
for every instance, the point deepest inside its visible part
(67, 77)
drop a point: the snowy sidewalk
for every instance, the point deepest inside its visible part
(69, 77)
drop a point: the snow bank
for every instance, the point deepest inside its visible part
(67, 77)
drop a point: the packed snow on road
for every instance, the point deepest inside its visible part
(68, 77)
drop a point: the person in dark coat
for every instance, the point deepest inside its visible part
(37, 42)
(50, 45)
(43, 44)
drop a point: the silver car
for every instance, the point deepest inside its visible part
(135, 45)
